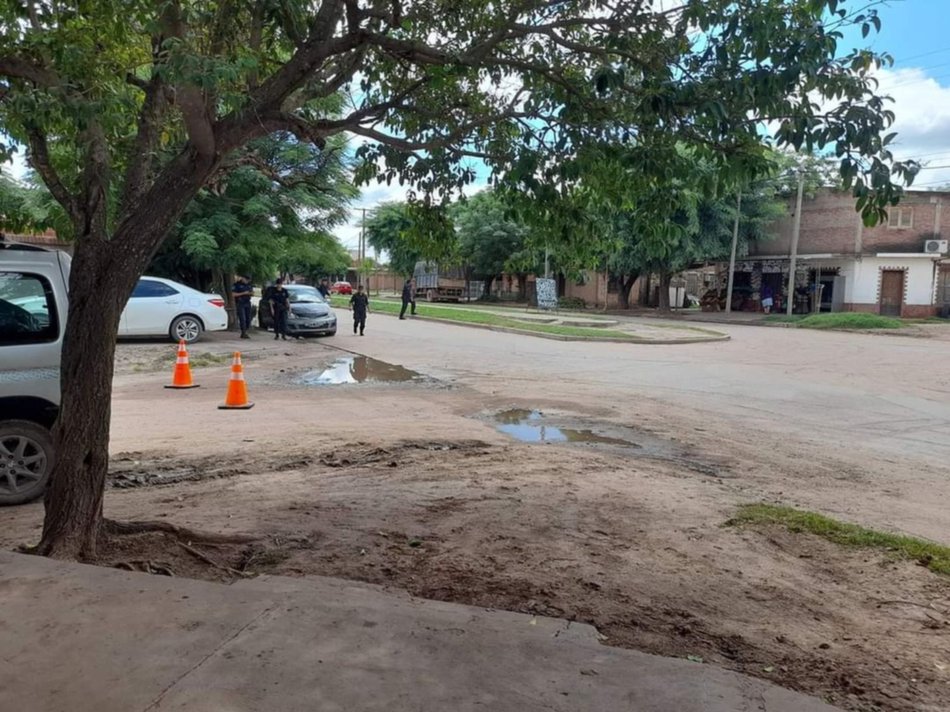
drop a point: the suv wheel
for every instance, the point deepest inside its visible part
(26, 460)
(186, 327)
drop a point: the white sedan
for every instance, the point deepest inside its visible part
(161, 307)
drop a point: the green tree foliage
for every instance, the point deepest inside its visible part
(27, 206)
(412, 232)
(387, 229)
(491, 239)
(130, 107)
(272, 213)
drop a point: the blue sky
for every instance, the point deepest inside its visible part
(915, 33)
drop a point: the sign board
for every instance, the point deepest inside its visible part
(546, 290)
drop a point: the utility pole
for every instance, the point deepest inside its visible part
(361, 250)
(793, 262)
(547, 263)
(732, 255)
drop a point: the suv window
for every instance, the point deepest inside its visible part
(151, 288)
(27, 309)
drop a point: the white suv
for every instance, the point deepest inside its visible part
(32, 318)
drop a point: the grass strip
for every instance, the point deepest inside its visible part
(844, 320)
(471, 316)
(935, 557)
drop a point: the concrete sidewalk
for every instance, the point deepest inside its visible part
(80, 638)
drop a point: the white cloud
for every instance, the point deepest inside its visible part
(373, 195)
(16, 166)
(922, 121)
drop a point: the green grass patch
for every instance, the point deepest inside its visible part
(464, 315)
(843, 320)
(934, 556)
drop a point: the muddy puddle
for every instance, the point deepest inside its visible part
(536, 426)
(357, 369)
(529, 426)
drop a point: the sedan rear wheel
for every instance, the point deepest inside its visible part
(187, 328)
(26, 460)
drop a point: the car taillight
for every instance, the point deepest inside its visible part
(217, 302)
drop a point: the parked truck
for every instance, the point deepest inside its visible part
(438, 283)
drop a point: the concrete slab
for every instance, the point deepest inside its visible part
(80, 638)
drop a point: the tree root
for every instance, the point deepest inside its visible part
(148, 567)
(111, 526)
(211, 562)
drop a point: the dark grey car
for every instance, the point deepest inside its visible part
(310, 314)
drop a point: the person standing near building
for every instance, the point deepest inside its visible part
(242, 291)
(359, 305)
(324, 289)
(407, 298)
(280, 308)
(767, 299)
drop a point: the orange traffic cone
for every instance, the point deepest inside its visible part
(237, 388)
(181, 376)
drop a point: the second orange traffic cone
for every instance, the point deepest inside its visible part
(237, 388)
(181, 376)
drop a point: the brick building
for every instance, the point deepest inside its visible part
(898, 268)
(41, 239)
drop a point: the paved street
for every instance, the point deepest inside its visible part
(879, 404)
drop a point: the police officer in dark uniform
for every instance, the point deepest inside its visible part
(359, 303)
(242, 291)
(280, 308)
(408, 297)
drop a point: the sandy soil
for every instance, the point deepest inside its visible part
(409, 485)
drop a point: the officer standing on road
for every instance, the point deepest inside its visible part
(407, 298)
(241, 291)
(280, 308)
(359, 303)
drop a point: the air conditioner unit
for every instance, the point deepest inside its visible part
(936, 247)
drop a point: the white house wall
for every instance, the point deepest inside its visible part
(918, 280)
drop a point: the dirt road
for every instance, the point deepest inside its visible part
(410, 483)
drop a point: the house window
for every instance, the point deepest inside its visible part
(900, 218)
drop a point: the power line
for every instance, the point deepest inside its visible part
(921, 156)
(924, 54)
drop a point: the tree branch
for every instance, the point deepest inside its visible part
(146, 142)
(19, 68)
(40, 161)
(95, 182)
(195, 106)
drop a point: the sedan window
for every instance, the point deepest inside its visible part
(151, 288)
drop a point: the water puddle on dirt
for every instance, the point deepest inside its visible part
(358, 369)
(529, 426)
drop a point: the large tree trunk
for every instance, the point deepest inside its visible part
(97, 294)
(102, 277)
(522, 287)
(664, 283)
(625, 282)
(645, 290)
(489, 280)
(220, 285)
